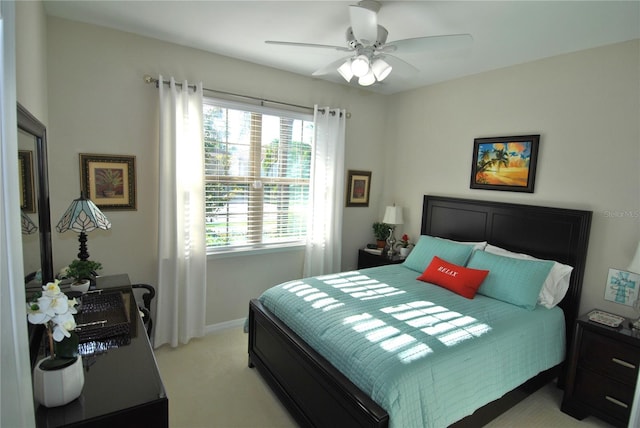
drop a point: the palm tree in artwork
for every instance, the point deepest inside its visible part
(485, 160)
(501, 158)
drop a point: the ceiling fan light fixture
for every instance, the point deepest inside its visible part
(345, 70)
(381, 69)
(360, 65)
(368, 79)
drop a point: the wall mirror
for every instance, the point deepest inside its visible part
(34, 199)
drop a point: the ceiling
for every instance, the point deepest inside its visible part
(504, 32)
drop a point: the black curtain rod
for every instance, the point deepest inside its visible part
(150, 79)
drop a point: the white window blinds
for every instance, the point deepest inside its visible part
(257, 164)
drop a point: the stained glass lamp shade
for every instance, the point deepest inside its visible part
(27, 225)
(83, 216)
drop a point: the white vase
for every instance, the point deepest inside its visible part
(404, 251)
(53, 388)
(81, 286)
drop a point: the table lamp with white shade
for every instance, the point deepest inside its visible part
(392, 217)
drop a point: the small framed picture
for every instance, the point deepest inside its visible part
(358, 187)
(505, 163)
(27, 192)
(109, 180)
(622, 287)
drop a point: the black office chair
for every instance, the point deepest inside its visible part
(148, 294)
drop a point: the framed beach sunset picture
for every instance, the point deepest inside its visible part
(505, 163)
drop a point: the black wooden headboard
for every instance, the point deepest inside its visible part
(548, 233)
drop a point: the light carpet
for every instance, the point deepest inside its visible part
(210, 385)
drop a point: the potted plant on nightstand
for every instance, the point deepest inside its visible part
(82, 271)
(404, 245)
(381, 232)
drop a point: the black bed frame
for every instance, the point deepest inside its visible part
(317, 394)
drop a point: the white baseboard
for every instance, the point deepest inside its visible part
(214, 328)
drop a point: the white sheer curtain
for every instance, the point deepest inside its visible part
(324, 248)
(181, 304)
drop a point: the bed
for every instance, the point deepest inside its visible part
(317, 393)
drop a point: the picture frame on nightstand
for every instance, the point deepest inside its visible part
(622, 287)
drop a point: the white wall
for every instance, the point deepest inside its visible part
(31, 58)
(584, 105)
(98, 103)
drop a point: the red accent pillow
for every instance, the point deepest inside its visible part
(459, 279)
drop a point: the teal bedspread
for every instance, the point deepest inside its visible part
(426, 355)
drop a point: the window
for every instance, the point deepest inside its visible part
(257, 165)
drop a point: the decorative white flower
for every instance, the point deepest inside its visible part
(55, 310)
(51, 289)
(72, 305)
(35, 315)
(63, 273)
(64, 323)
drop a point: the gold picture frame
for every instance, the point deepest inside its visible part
(27, 193)
(109, 180)
(358, 188)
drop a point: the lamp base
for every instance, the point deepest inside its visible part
(391, 243)
(83, 254)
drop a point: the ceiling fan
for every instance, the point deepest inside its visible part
(370, 58)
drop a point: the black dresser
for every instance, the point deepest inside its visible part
(122, 386)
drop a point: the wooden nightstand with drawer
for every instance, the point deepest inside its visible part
(367, 260)
(602, 372)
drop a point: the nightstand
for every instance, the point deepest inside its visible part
(602, 372)
(367, 260)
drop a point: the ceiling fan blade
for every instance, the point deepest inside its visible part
(399, 66)
(330, 68)
(364, 22)
(430, 43)
(308, 45)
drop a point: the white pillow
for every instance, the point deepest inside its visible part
(476, 245)
(555, 286)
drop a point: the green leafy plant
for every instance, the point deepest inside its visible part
(381, 230)
(108, 178)
(82, 269)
